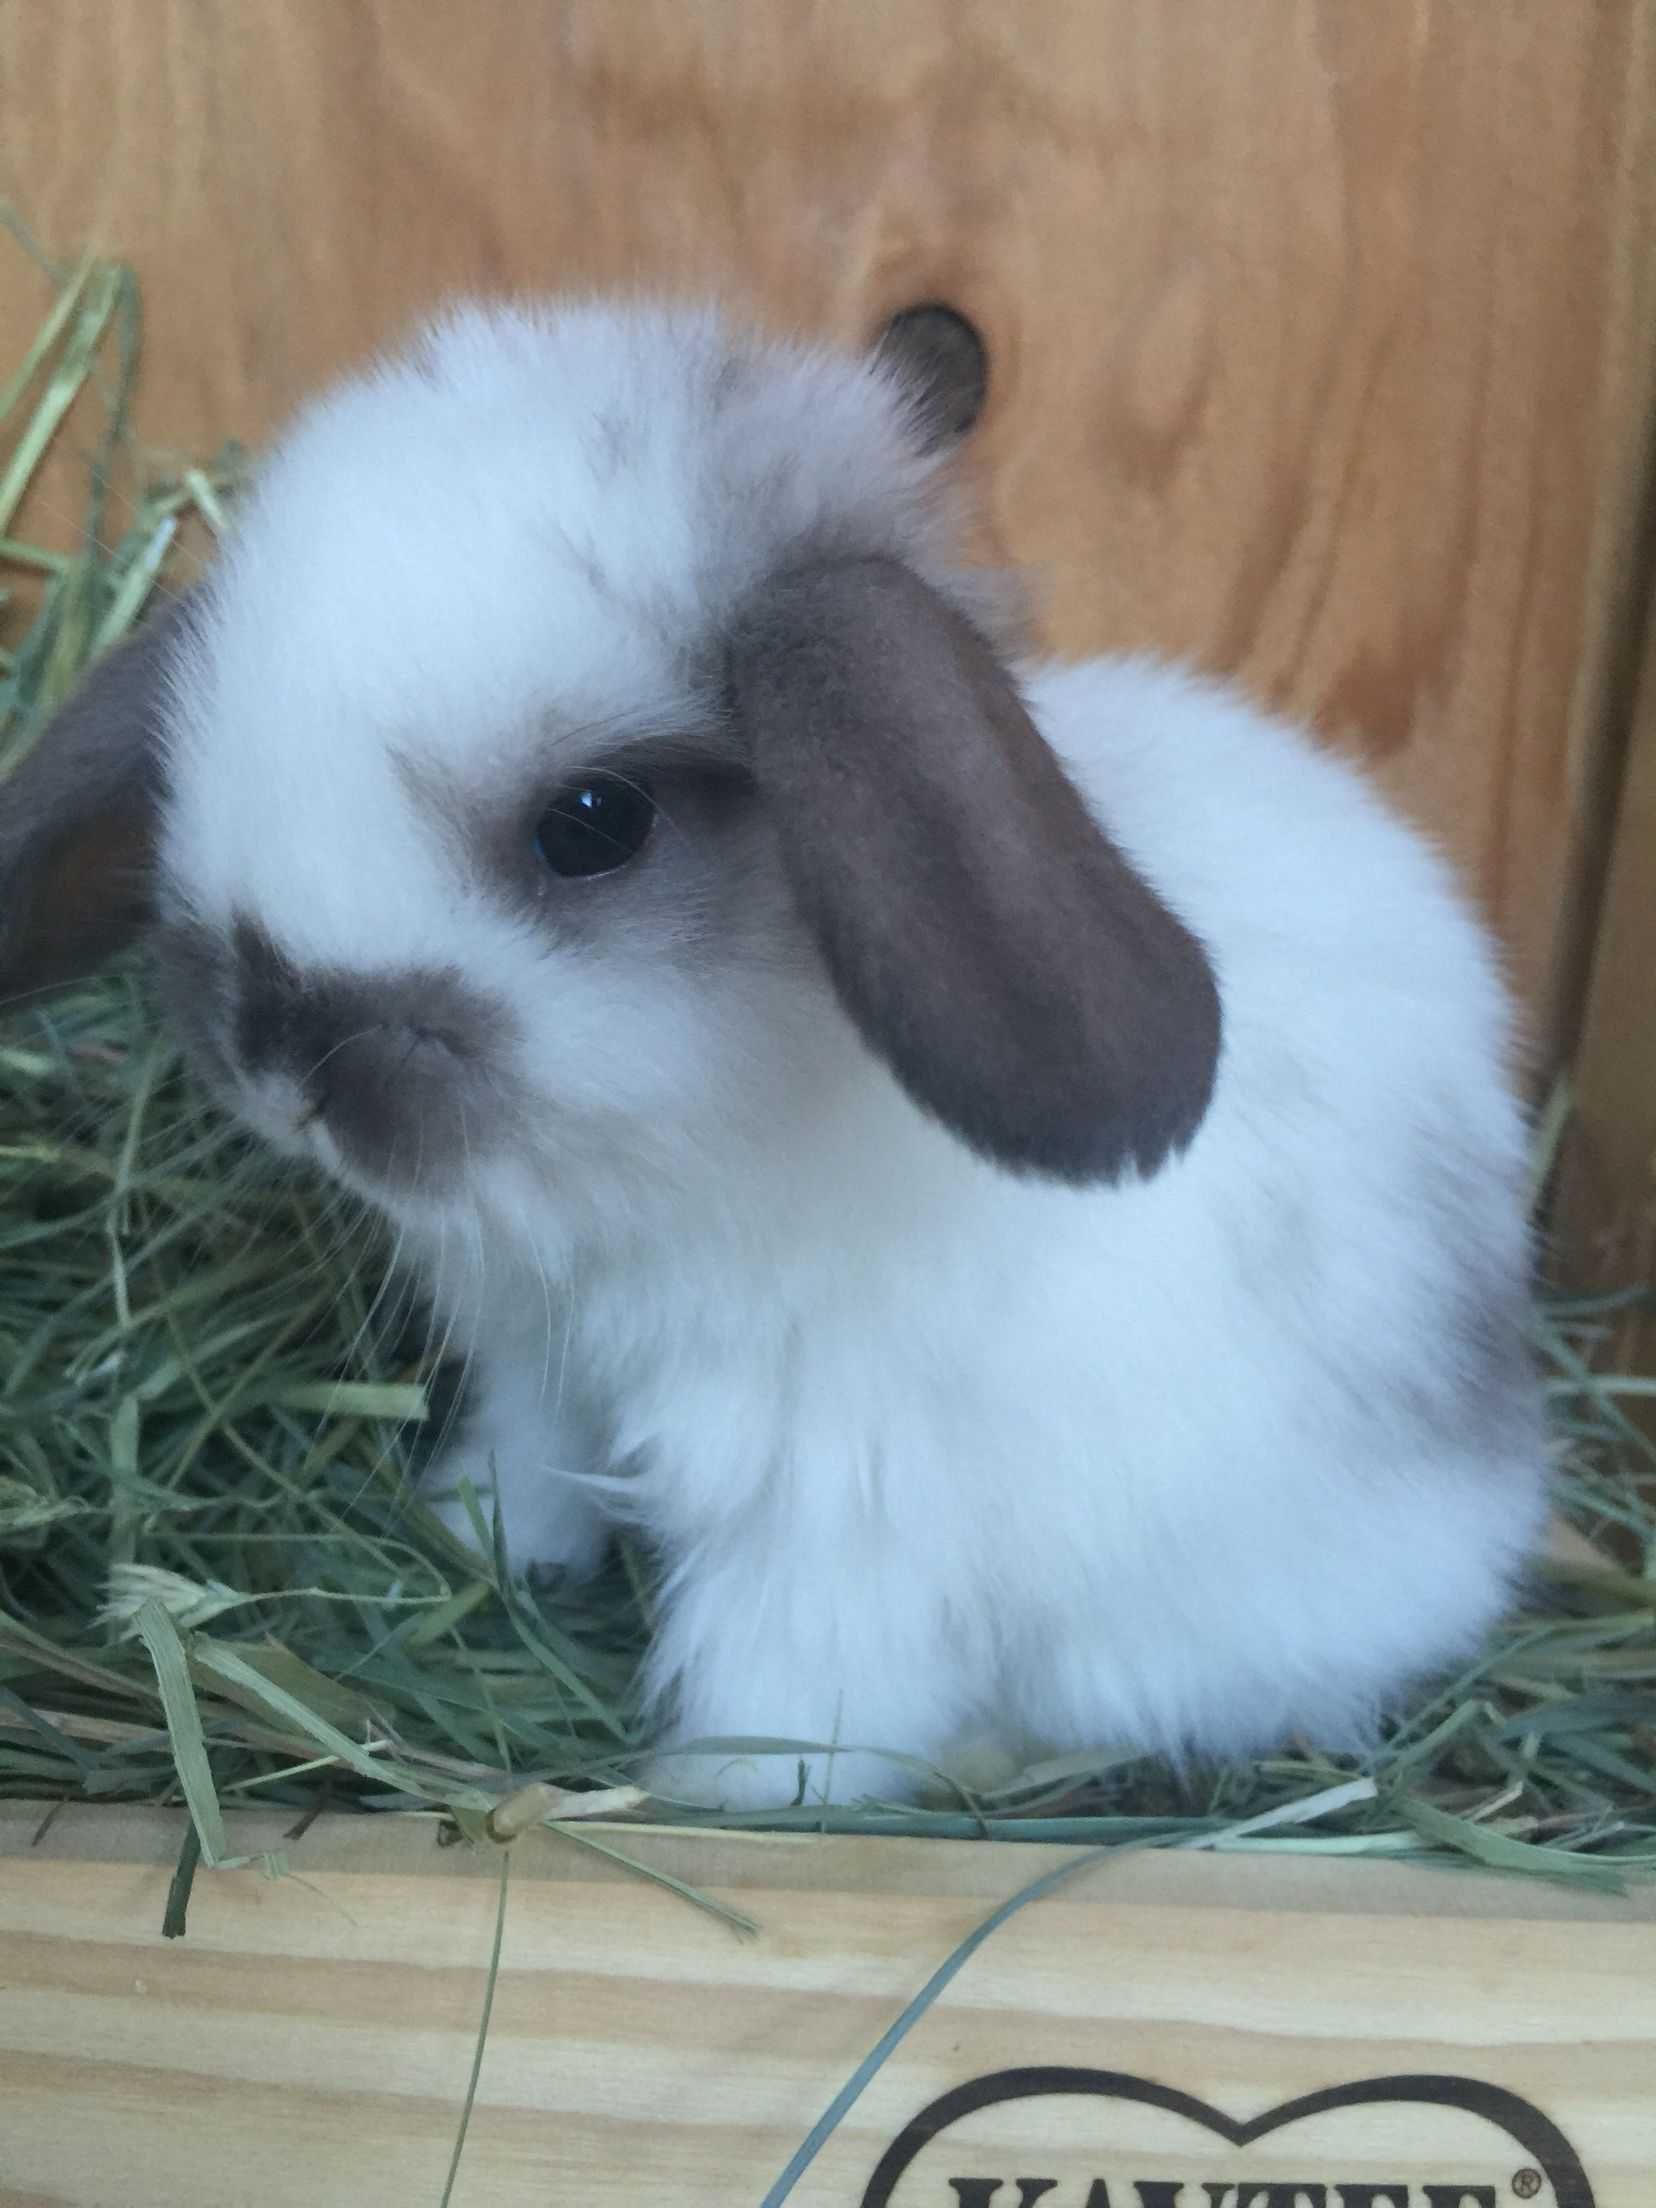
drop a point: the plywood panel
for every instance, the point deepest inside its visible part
(1606, 1198)
(309, 2041)
(1322, 332)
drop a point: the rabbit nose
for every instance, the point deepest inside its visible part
(375, 1057)
(401, 1099)
(328, 1030)
(410, 1069)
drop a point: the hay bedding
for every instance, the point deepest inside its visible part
(213, 1583)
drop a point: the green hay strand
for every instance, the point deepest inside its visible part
(491, 1980)
(1291, 1813)
(189, 1742)
(215, 1581)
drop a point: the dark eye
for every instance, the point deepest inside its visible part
(595, 825)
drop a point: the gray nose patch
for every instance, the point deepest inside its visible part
(406, 1068)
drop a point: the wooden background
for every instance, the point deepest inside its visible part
(1322, 330)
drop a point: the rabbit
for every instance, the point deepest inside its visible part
(1009, 1177)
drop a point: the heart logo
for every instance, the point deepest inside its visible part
(1521, 2126)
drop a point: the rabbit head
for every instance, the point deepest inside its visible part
(585, 760)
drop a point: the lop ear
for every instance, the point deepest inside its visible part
(1017, 974)
(77, 819)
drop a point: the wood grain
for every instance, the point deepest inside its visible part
(309, 2040)
(1322, 333)
(1605, 1207)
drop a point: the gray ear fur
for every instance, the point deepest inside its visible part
(77, 819)
(937, 354)
(1023, 982)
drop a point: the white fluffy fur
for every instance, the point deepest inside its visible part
(929, 1451)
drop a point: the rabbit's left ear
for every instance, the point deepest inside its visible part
(77, 818)
(1015, 971)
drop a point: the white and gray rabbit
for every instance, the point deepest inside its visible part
(1006, 1174)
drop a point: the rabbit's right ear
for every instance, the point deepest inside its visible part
(994, 945)
(941, 362)
(78, 815)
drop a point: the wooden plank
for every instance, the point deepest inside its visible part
(1606, 1198)
(309, 2040)
(1322, 335)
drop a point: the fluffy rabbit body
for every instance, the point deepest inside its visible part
(1030, 1226)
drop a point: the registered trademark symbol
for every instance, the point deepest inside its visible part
(1527, 2184)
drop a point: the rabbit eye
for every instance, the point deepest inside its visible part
(595, 825)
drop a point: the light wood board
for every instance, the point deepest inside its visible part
(308, 2041)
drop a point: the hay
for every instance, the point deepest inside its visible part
(214, 1585)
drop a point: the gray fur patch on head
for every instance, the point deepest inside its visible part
(684, 891)
(802, 452)
(812, 457)
(195, 978)
(734, 380)
(650, 612)
(613, 443)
